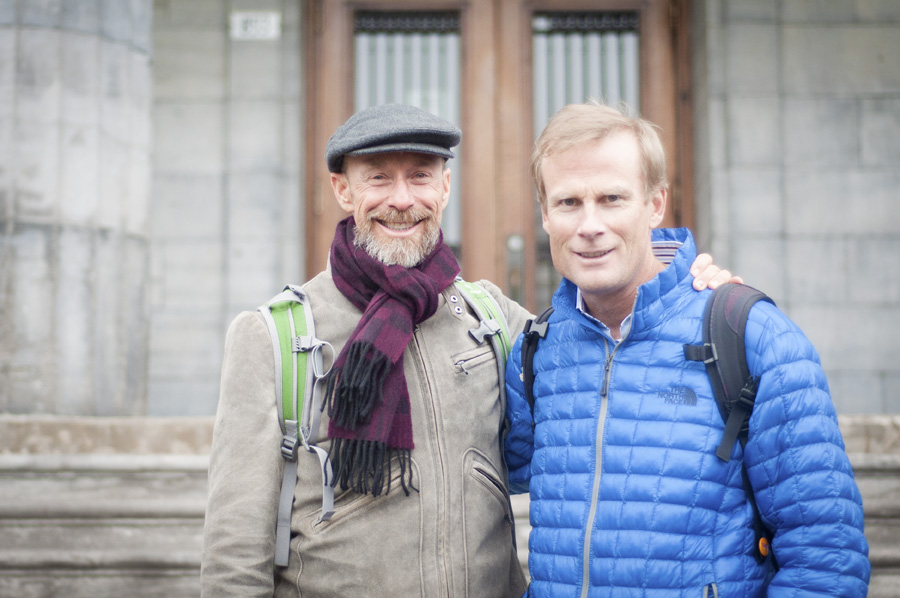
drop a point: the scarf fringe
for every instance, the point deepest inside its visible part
(356, 387)
(363, 465)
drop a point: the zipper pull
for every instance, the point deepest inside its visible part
(604, 391)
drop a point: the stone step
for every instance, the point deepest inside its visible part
(88, 524)
(89, 506)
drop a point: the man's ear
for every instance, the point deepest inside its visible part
(544, 220)
(446, 198)
(658, 204)
(341, 188)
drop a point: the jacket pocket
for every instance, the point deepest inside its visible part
(364, 530)
(471, 359)
(490, 480)
(349, 505)
(491, 562)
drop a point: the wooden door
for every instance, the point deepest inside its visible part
(499, 233)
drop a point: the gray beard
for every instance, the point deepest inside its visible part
(408, 253)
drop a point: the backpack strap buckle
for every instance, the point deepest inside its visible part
(289, 447)
(299, 366)
(302, 344)
(535, 330)
(533, 327)
(485, 328)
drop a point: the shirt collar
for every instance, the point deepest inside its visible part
(665, 253)
(624, 327)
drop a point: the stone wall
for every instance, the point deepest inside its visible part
(75, 102)
(226, 214)
(89, 506)
(796, 107)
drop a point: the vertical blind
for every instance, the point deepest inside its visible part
(580, 56)
(577, 57)
(413, 58)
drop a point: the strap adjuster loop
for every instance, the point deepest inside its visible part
(713, 354)
(289, 447)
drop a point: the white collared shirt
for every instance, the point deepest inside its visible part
(665, 253)
(624, 327)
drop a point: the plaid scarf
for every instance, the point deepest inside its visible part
(368, 401)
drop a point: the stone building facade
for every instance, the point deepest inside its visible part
(75, 178)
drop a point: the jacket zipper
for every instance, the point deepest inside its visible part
(438, 461)
(598, 462)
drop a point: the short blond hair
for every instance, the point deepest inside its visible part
(580, 123)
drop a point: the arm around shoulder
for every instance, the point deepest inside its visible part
(519, 443)
(245, 469)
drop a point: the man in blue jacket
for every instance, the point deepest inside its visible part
(627, 495)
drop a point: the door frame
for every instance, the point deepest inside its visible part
(496, 119)
(329, 43)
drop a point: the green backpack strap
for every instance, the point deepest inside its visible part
(298, 361)
(492, 323)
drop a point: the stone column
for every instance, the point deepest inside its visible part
(75, 107)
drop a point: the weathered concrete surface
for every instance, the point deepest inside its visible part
(102, 507)
(227, 213)
(61, 435)
(101, 525)
(75, 108)
(796, 108)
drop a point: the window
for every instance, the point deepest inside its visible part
(412, 58)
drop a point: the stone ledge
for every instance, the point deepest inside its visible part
(874, 463)
(119, 462)
(68, 435)
(113, 559)
(871, 434)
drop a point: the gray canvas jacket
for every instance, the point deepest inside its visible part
(452, 538)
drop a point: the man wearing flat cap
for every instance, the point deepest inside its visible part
(412, 409)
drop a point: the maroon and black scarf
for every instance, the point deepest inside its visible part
(368, 401)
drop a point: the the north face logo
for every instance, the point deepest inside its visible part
(680, 395)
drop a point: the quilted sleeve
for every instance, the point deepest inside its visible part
(802, 478)
(519, 444)
(245, 469)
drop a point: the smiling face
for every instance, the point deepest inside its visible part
(396, 200)
(599, 218)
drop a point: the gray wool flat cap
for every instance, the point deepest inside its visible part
(391, 128)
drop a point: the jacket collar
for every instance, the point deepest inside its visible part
(655, 299)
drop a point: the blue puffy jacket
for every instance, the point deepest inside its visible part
(627, 495)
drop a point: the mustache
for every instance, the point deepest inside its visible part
(405, 217)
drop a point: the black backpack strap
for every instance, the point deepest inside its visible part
(534, 331)
(724, 353)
